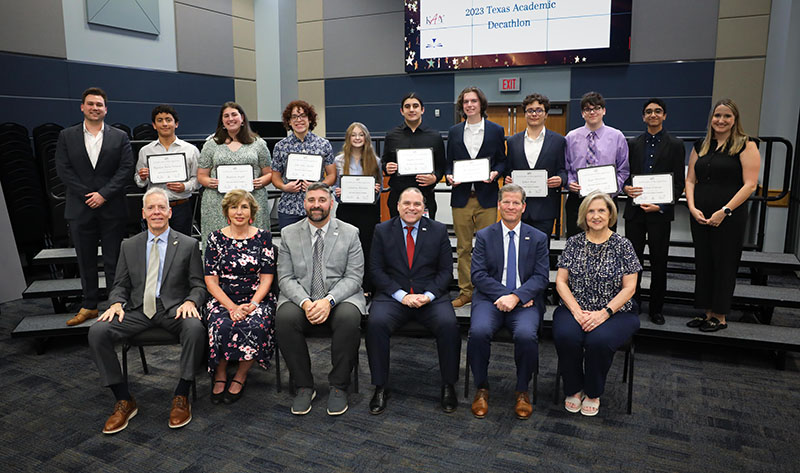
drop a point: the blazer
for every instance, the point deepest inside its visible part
(550, 158)
(493, 147)
(109, 177)
(432, 266)
(181, 277)
(533, 265)
(670, 157)
(343, 258)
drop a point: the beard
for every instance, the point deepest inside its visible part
(322, 215)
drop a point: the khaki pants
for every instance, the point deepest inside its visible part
(466, 221)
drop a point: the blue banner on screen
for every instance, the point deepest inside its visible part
(473, 34)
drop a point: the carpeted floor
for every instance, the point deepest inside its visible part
(696, 409)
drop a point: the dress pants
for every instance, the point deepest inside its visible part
(103, 336)
(585, 357)
(363, 217)
(655, 231)
(85, 234)
(291, 328)
(182, 217)
(387, 316)
(571, 213)
(288, 219)
(466, 221)
(485, 321)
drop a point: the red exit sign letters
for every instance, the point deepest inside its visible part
(509, 84)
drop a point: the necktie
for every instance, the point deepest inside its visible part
(591, 157)
(151, 280)
(410, 251)
(317, 286)
(511, 263)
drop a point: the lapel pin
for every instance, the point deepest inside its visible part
(335, 233)
(424, 229)
(174, 242)
(527, 238)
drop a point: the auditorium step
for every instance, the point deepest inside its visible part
(58, 288)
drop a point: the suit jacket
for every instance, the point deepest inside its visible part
(181, 277)
(670, 157)
(550, 158)
(533, 265)
(109, 177)
(493, 147)
(432, 266)
(343, 258)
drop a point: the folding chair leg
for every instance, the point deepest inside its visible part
(630, 380)
(194, 389)
(278, 386)
(355, 375)
(144, 360)
(535, 386)
(466, 379)
(557, 388)
(625, 367)
(125, 348)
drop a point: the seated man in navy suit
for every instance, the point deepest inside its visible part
(510, 272)
(412, 265)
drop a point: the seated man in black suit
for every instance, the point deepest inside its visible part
(412, 265)
(159, 284)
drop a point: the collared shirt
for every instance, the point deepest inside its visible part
(355, 170)
(533, 147)
(313, 230)
(162, 253)
(473, 137)
(178, 146)
(611, 146)
(402, 137)
(93, 143)
(651, 145)
(400, 294)
(506, 240)
(291, 203)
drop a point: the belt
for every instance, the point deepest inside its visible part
(174, 203)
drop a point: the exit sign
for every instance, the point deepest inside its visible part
(509, 84)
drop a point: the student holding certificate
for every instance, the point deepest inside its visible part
(358, 159)
(170, 154)
(233, 144)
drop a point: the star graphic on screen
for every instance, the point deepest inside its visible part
(577, 59)
(412, 30)
(583, 59)
(430, 62)
(410, 59)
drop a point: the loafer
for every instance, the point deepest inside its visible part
(523, 408)
(657, 318)
(337, 402)
(449, 398)
(82, 316)
(302, 401)
(712, 325)
(123, 412)
(461, 300)
(378, 402)
(217, 398)
(229, 397)
(480, 405)
(181, 412)
(696, 322)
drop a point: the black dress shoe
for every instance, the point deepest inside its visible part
(696, 322)
(218, 397)
(657, 318)
(230, 398)
(449, 398)
(712, 325)
(378, 402)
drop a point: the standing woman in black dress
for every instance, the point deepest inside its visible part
(723, 173)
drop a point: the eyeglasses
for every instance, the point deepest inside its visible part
(302, 116)
(534, 111)
(656, 111)
(592, 109)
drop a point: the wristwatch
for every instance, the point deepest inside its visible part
(608, 309)
(727, 211)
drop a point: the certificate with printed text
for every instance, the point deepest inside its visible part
(414, 161)
(602, 178)
(534, 181)
(234, 176)
(304, 167)
(656, 189)
(471, 170)
(168, 167)
(358, 189)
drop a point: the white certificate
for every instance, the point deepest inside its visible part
(169, 167)
(534, 181)
(656, 189)
(471, 170)
(234, 176)
(304, 167)
(598, 178)
(358, 189)
(414, 161)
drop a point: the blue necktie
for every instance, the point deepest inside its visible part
(511, 263)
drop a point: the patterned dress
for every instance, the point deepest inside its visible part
(256, 155)
(238, 264)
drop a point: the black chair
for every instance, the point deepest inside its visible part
(124, 128)
(627, 374)
(144, 131)
(155, 336)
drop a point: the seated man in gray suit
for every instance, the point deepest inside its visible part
(320, 267)
(159, 283)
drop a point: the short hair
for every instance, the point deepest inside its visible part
(594, 99)
(245, 135)
(481, 99)
(414, 190)
(235, 197)
(656, 101)
(412, 95)
(307, 108)
(511, 188)
(542, 99)
(154, 191)
(94, 91)
(319, 186)
(163, 108)
(584, 208)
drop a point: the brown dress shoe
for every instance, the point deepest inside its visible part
(480, 406)
(123, 412)
(523, 408)
(181, 413)
(82, 316)
(461, 300)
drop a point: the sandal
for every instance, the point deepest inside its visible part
(216, 398)
(573, 403)
(712, 325)
(696, 322)
(590, 408)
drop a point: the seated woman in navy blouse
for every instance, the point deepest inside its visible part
(596, 279)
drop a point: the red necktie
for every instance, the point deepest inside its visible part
(410, 250)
